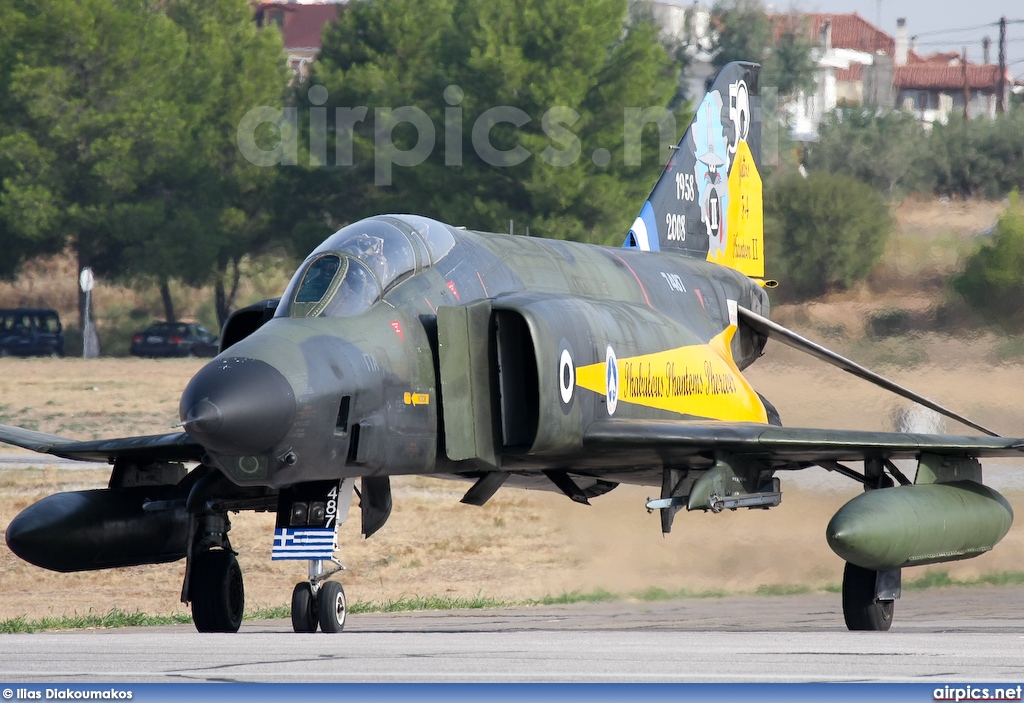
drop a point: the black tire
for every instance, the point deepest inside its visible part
(861, 610)
(217, 592)
(304, 611)
(331, 606)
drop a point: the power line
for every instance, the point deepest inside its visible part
(959, 42)
(948, 42)
(960, 29)
(966, 29)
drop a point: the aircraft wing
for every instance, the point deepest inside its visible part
(653, 440)
(175, 446)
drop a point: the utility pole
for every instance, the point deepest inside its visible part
(1001, 93)
(967, 86)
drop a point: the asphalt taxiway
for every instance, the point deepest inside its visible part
(949, 635)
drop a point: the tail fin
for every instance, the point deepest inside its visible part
(707, 203)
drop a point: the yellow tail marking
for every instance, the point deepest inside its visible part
(744, 246)
(700, 380)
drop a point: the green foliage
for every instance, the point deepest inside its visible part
(980, 157)
(580, 62)
(84, 117)
(823, 232)
(117, 134)
(889, 322)
(205, 207)
(887, 151)
(789, 67)
(745, 33)
(894, 153)
(992, 280)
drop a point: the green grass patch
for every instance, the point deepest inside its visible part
(119, 618)
(406, 604)
(598, 596)
(112, 619)
(656, 594)
(782, 590)
(942, 579)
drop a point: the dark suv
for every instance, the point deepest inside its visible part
(30, 332)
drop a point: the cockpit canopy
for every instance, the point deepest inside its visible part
(356, 265)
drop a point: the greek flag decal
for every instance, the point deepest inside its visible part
(303, 543)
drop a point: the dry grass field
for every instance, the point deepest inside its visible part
(521, 545)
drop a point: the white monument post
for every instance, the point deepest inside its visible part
(90, 342)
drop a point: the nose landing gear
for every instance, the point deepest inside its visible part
(319, 602)
(308, 517)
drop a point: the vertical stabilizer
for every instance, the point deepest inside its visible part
(707, 203)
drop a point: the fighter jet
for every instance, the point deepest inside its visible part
(405, 346)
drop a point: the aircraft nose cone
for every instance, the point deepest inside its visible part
(238, 406)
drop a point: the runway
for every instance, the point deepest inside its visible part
(947, 635)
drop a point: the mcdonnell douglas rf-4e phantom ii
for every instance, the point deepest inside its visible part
(405, 346)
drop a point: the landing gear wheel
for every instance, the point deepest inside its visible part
(304, 611)
(331, 606)
(217, 593)
(861, 609)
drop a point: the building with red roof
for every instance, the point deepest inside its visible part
(302, 26)
(860, 64)
(944, 84)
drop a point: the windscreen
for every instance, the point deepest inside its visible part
(335, 285)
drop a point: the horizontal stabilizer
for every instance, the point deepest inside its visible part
(767, 328)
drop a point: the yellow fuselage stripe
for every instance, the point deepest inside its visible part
(700, 380)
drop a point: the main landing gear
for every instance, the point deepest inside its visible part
(218, 596)
(869, 597)
(213, 579)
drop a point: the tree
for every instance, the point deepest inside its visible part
(118, 122)
(823, 232)
(980, 156)
(888, 151)
(206, 207)
(744, 33)
(779, 43)
(84, 118)
(992, 280)
(519, 111)
(789, 66)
